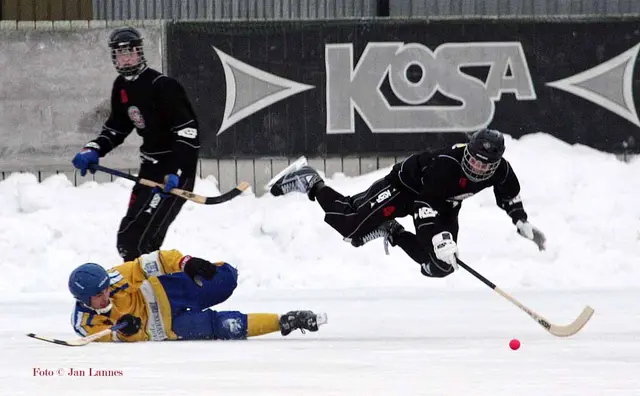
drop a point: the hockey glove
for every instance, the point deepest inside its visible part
(526, 230)
(196, 267)
(84, 159)
(445, 248)
(133, 324)
(171, 181)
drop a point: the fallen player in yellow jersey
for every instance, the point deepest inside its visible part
(165, 295)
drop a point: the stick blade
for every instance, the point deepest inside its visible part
(78, 342)
(575, 326)
(228, 196)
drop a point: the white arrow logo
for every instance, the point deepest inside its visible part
(610, 85)
(250, 90)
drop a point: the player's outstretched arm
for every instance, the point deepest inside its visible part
(507, 193)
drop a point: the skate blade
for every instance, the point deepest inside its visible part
(321, 318)
(297, 164)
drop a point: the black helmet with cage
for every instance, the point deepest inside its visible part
(483, 154)
(127, 52)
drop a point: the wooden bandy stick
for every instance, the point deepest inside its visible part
(79, 341)
(229, 195)
(557, 330)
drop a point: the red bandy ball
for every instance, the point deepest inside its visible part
(514, 344)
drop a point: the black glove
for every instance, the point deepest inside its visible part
(133, 324)
(195, 266)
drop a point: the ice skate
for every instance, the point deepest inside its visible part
(303, 320)
(296, 165)
(298, 177)
(386, 230)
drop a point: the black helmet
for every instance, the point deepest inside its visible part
(482, 154)
(127, 41)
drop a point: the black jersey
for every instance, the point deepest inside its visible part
(439, 186)
(158, 108)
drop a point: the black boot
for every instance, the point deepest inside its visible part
(303, 320)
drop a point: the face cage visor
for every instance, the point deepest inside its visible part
(476, 169)
(129, 61)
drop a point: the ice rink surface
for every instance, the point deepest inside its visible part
(377, 342)
(391, 331)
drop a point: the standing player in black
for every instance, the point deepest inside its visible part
(430, 187)
(158, 108)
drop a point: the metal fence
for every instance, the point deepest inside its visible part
(53, 10)
(232, 9)
(230, 172)
(512, 8)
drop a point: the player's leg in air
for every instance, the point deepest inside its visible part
(359, 218)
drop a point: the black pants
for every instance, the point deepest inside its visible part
(145, 225)
(357, 215)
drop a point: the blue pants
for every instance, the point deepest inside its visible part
(192, 318)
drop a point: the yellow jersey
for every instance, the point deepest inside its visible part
(134, 289)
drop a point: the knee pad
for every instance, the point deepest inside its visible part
(228, 275)
(229, 325)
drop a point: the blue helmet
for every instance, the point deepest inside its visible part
(88, 280)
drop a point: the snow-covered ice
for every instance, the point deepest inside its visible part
(390, 330)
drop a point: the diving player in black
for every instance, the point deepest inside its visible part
(158, 108)
(430, 187)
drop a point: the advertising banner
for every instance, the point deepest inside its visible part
(370, 87)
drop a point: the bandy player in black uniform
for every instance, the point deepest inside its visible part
(158, 108)
(430, 187)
